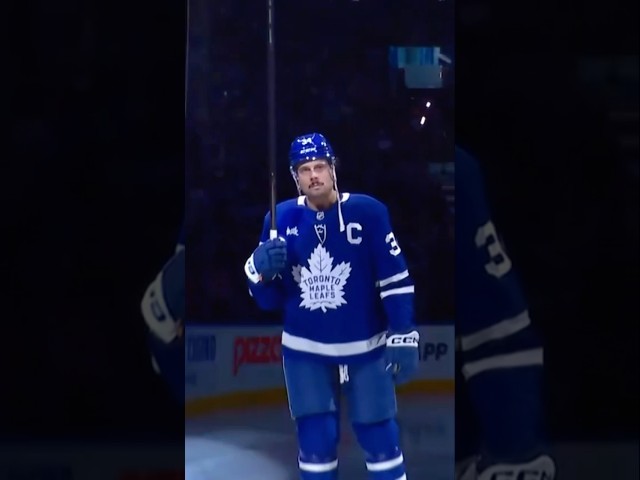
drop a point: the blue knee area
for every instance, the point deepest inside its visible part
(318, 437)
(371, 393)
(380, 441)
(310, 387)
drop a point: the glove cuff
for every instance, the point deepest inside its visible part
(251, 272)
(411, 339)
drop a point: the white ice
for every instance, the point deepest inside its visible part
(260, 444)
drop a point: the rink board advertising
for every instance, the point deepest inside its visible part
(236, 366)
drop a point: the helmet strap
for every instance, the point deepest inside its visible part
(295, 179)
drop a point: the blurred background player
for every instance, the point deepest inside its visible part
(499, 401)
(344, 289)
(163, 310)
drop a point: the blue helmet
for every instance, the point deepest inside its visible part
(312, 146)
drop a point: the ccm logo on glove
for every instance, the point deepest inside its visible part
(403, 341)
(402, 355)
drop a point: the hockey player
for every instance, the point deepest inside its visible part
(337, 274)
(500, 355)
(163, 310)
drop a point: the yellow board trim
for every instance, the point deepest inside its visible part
(278, 396)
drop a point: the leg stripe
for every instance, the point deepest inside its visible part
(318, 467)
(386, 465)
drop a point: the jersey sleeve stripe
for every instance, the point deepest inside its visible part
(397, 291)
(523, 358)
(392, 279)
(498, 331)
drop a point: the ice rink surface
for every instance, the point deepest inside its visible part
(260, 444)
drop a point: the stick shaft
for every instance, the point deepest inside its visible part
(271, 113)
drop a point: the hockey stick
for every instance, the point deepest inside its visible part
(271, 114)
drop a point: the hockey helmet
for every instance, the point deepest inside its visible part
(308, 147)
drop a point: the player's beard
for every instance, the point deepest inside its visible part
(323, 196)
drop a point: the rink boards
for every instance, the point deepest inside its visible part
(238, 366)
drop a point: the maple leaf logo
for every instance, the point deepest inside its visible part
(295, 273)
(322, 284)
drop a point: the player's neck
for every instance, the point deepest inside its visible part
(322, 203)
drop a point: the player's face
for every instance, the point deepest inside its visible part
(315, 179)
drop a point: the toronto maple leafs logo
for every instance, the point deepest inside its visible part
(322, 284)
(295, 273)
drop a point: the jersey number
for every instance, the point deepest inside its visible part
(500, 263)
(391, 240)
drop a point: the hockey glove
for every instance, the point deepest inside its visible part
(541, 467)
(402, 355)
(267, 261)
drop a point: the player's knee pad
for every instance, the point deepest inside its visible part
(381, 443)
(318, 442)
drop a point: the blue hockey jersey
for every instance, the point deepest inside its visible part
(501, 354)
(341, 291)
(491, 301)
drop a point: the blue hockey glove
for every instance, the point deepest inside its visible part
(267, 261)
(402, 355)
(541, 467)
